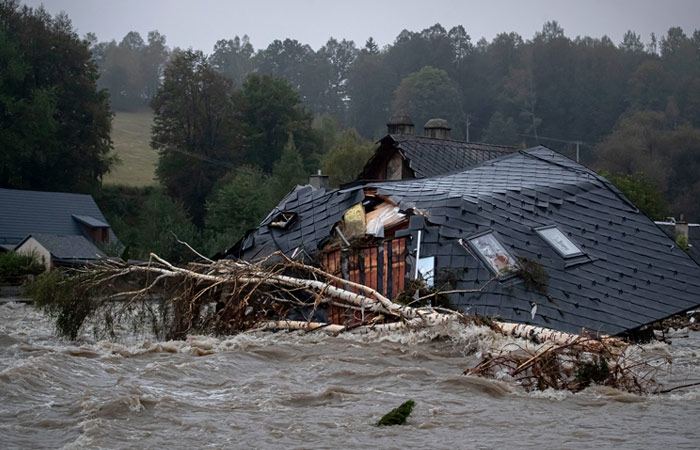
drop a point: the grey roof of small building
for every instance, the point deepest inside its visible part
(630, 275)
(25, 212)
(67, 247)
(429, 157)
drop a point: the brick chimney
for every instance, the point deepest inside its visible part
(400, 123)
(319, 181)
(437, 128)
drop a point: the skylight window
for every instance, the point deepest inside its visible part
(559, 241)
(493, 253)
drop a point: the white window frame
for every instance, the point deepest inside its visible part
(541, 231)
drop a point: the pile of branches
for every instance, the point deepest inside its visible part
(232, 296)
(576, 364)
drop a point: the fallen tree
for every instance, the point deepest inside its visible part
(277, 293)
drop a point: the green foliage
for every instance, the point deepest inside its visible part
(160, 223)
(196, 129)
(501, 131)
(346, 158)
(130, 70)
(288, 171)
(14, 266)
(233, 58)
(63, 298)
(54, 122)
(397, 416)
(665, 151)
(535, 276)
(271, 110)
(147, 220)
(427, 94)
(642, 192)
(237, 204)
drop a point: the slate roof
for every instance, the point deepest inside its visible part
(631, 273)
(25, 212)
(90, 221)
(428, 157)
(67, 248)
(693, 237)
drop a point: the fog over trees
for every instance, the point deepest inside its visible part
(237, 122)
(511, 90)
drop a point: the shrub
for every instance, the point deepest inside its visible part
(14, 266)
(64, 298)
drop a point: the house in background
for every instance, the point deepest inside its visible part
(60, 228)
(403, 155)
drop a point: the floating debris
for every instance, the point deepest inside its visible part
(397, 416)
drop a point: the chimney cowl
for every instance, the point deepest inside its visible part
(400, 123)
(437, 128)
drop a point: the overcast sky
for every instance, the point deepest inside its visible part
(200, 23)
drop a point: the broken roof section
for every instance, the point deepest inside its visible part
(628, 273)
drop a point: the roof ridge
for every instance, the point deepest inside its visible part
(583, 170)
(415, 136)
(47, 192)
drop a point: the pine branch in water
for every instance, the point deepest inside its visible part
(397, 416)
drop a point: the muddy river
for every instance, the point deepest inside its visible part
(290, 390)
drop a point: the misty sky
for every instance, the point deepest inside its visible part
(200, 23)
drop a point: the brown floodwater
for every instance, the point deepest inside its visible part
(294, 390)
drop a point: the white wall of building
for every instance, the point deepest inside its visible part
(32, 247)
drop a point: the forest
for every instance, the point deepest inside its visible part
(237, 127)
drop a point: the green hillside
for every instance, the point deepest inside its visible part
(131, 133)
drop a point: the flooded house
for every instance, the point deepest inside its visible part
(525, 236)
(61, 229)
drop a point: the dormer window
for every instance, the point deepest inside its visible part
(558, 240)
(283, 220)
(94, 228)
(493, 253)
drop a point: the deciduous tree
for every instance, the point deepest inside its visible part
(54, 122)
(196, 129)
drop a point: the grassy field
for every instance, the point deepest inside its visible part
(131, 133)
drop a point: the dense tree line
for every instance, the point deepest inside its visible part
(238, 128)
(510, 90)
(549, 85)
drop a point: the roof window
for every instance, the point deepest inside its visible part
(562, 244)
(493, 254)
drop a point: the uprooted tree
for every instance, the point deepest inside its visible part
(278, 293)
